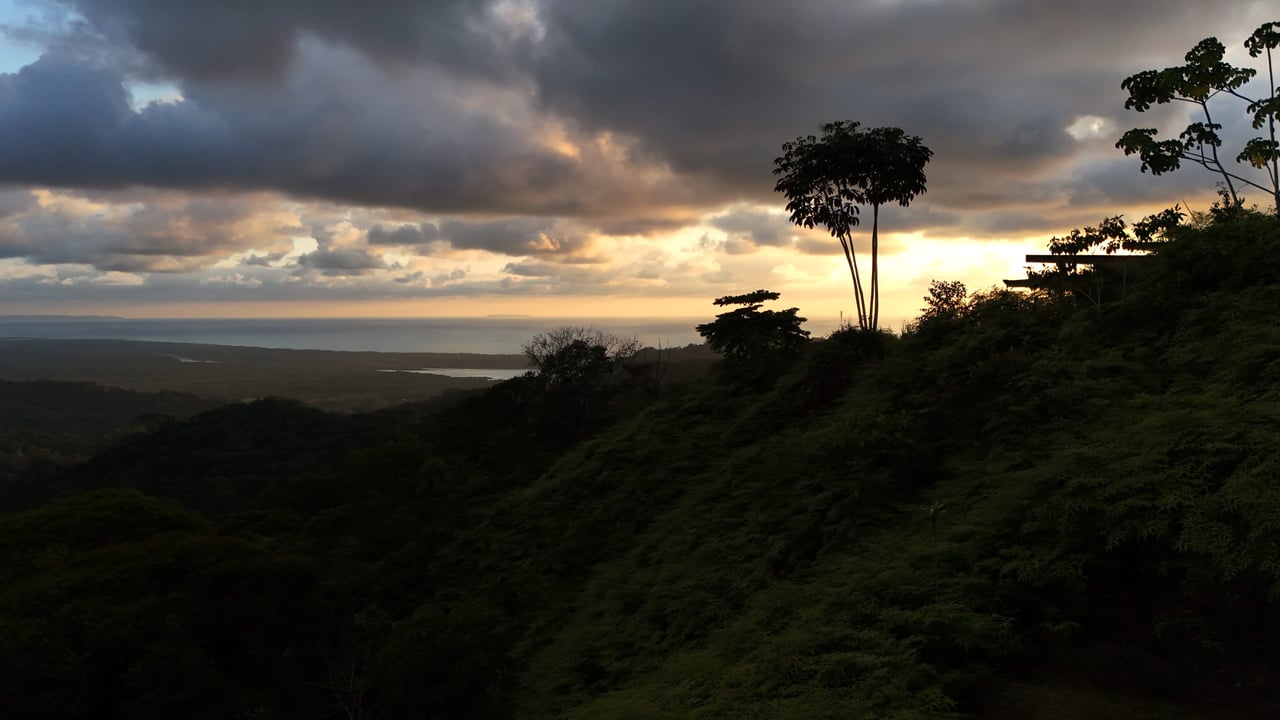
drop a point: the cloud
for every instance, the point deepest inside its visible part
(337, 128)
(256, 42)
(737, 78)
(551, 144)
(15, 201)
(552, 108)
(757, 227)
(167, 234)
(559, 273)
(406, 234)
(341, 262)
(517, 236)
(263, 260)
(237, 279)
(109, 278)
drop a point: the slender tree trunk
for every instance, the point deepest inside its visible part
(875, 266)
(1271, 126)
(863, 316)
(851, 260)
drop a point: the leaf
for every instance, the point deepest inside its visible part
(1259, 152)
(1264, 110)
(1266, 37)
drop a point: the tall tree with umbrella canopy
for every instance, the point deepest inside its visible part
(827, 178)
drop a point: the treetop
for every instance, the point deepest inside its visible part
(1266, 37)
(752, 298)
(826, 178)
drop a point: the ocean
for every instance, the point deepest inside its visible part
(493, 336)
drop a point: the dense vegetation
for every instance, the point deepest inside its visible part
(1058, 503)
(46, 425)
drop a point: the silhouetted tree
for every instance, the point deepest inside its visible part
(826, 179)
(578, 373)
(754, 342)
(552, 352)
(1204, 77)
(946, 299)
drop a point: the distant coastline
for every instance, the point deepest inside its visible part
(55, 318)
(334, 380)
(478, 335)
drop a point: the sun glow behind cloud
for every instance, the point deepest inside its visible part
(1091, 127)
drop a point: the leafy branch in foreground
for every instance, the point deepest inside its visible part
(1205, 76)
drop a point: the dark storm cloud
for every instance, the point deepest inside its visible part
(59, 119)
(989, 85)
(671, 108)
(237, 39)
(341, 130)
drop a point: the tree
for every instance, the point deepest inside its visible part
(826, 179)
(578, 375)
(564, 354)
(754, 342)
(946, 300)
(1204, 77)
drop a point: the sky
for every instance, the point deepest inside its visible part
(563, 158)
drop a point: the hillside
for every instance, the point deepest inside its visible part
(46, 424)
(1052, 504)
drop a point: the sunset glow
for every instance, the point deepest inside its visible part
(549, 164)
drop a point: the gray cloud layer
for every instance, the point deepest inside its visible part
(252, 40)
(423, 104)
(518, 127)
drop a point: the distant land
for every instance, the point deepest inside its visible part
(489, 335)
(45, 318)
(333, 380)
(328, 379)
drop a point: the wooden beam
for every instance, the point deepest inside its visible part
(1020, 283)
